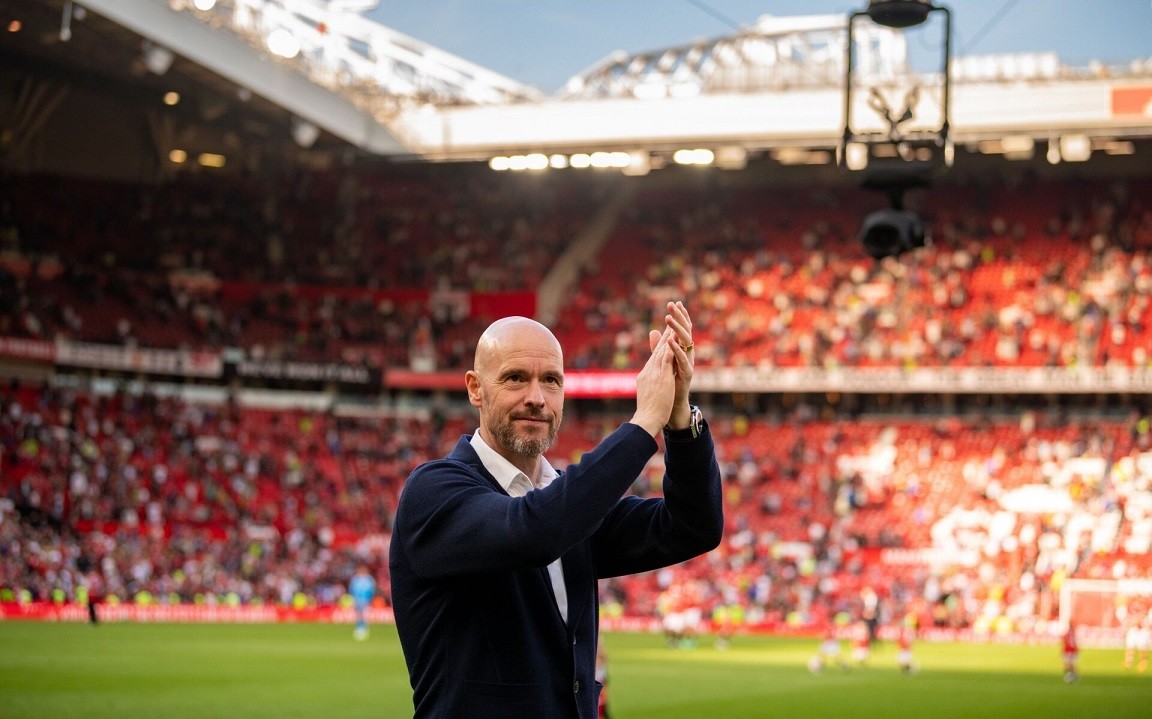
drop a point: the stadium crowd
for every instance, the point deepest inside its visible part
(150, 499)
(396, 273)
(147, 498)
(1045, 275)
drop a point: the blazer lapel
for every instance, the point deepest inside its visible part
(463, 452)
(575, 561)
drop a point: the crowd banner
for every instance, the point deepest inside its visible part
(319, 372)
(200, 363)
(926, 380)
(27, 349)
(895, 380)
(592, 384)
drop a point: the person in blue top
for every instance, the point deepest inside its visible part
(495, 554)
(362, 587)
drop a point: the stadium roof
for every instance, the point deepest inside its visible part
(305, 76)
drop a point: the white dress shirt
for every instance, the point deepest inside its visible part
(517, 484)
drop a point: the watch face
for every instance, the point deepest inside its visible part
(695, 422)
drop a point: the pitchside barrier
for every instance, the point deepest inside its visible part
(192, 613)
(1044, 633)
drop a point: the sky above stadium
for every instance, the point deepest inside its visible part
(545, 42)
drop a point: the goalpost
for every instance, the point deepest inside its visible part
(1098, 606)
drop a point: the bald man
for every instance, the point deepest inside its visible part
(495, 554)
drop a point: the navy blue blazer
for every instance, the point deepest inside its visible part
(475, 610)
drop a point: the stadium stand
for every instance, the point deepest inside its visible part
(155, 268)
(139, 462)
(169, 501)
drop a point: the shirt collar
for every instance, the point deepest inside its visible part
(503, 470)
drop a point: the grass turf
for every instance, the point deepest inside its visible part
(311, 670)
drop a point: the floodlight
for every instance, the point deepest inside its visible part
(304, 133)
(1075, 148)
(157, 59)
(283, 43)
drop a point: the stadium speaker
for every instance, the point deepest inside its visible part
(887, 233)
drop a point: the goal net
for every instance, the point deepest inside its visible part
(1100, 606)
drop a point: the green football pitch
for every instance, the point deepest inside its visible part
(124, 671)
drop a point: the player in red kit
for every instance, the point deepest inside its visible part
(1138, 637)
(904, 654)
(861, 643)
(1071, 654)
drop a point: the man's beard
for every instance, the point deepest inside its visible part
(506, 436)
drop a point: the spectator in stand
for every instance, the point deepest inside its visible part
(362, 587)
(495, 555)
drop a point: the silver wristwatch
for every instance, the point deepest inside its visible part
(694, 429)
